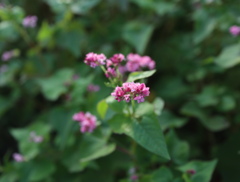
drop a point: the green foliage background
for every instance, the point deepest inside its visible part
(196, 79)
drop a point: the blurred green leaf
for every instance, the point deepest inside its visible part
(178, 150)
(28, 148)
(41, 169)
(53, 86)
(140, 75)
(158, 105)
(45, 35)
(229, 57)
(203, 170)
(138, 34)
(167, 120)
(8, 31)
(83, 6)
(162, 174)
(102, 108)
(213, 123)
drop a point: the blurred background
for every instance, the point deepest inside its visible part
(43, 81)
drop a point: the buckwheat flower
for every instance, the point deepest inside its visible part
(136, 62)
(110, 72)
(7, 55)
(93, 88)
(234, 30)
(94, 60)
(146, 61)
(30, 21)
(35, 138)
(87, 121)
(18, 157)
(117, 58)
(134, 177)
(131, 91)
(191, 171)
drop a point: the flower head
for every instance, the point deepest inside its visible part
(18, 157)
(117, 58)
(136, 62)
(191, 171)
(86, 120)
(234, 30)
(30, 21)
(7, 55)
(131, 91)
(93, 59)
(110, 73)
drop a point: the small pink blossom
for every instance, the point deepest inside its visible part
(93, 59)
(30, 21)
(117, 58)
(86, 120)
(7, 55)
(18, 157)
(93, 88)
(136, 62)
(131, 91)
(110, 73)
(234, 30)
(191, 171)
(35, 138)
(134, 177)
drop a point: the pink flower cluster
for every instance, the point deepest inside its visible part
(30, 21)
(18, 157)
(131, 91)
(8, 55)
(94, 60)
(136, 62)
(114, 66)
(234, 30)
(86, 120)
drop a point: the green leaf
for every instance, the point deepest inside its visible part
(41, 169)
(70, 40)
(8, 31)
(116, 106)
(168, 120)
(138, 34)
(179, 150)
(102, 107)
(229, 57)
(28, 148)
(144, 108)
(83, 6)
(120, 123)
(213, 123)
(53, 86)
(90, 147)
(162, 174)
(148, 134)
(140, 75)
(45, 34)
(203, 170)
(158, 105)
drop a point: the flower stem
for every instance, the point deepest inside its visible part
(133, 107)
